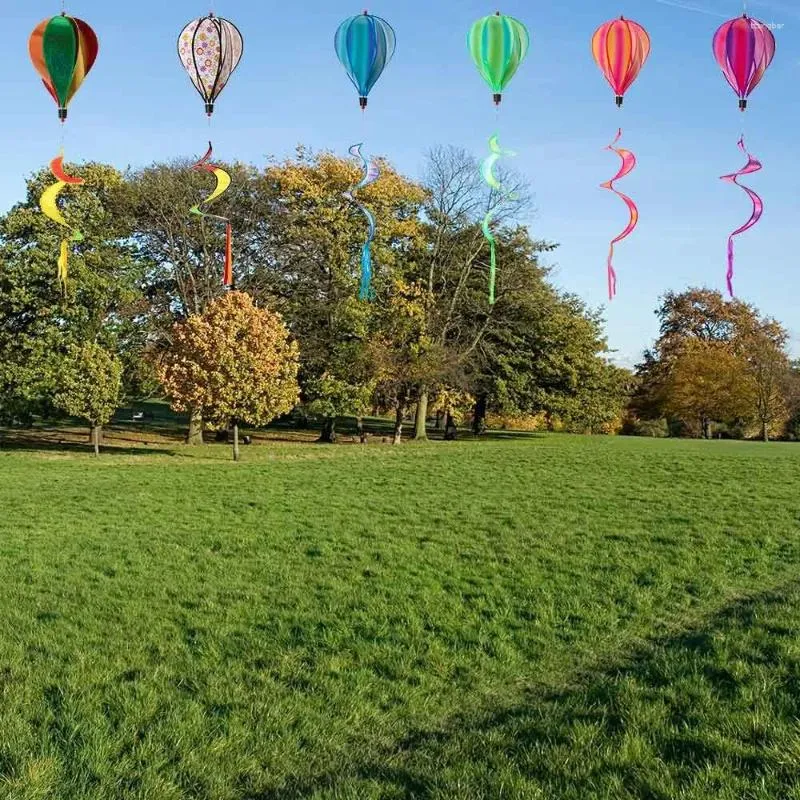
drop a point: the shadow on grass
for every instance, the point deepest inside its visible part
(161, 429)
(510, 435)
(657, 725)
(33, 443)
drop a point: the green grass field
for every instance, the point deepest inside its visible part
(525, 617)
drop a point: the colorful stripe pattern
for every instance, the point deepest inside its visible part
(743, 48)
(620, 48)
(498, 45)
(63, 50)
(364, 44)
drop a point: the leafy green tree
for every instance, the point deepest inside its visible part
(404, 357)
(39, 322)
(546, 352)
(234, 362)
(331, 397)
(792, 395)
(598, 403)
(453, 268)
(184, 253)
(90, 387)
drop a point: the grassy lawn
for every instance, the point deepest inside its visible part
(533, 617)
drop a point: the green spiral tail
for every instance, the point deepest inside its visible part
(487, 173)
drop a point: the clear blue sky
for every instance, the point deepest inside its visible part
(680, 119)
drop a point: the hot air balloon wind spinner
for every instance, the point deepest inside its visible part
(744, 49)
(498, 45)
(63, 50)
(620, 48)
(210, 49)
(365, 45)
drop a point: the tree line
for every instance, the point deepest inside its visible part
(145, 299)
(427, 343)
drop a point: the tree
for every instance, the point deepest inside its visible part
(404, 357)
(545, 352)
(40, 322)
(332, 397)
(700, 314)
(792, 394)
(234, 362)
(184, 253)
(708, 382)
(700, 329)
(90, 387)
(768, 368)
(695, 315)
(454, 266)
(309, 269)
(598, 403)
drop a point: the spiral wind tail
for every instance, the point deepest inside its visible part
(487, 173)
(753, 165)
(48, 202)
(628, 164)
(223, 184)
(371, 173)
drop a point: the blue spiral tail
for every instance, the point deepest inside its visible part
(371, 174)
(366, 292)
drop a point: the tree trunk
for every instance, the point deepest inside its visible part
(328, 435)
(195, 434)
(95, 435)
(360, 425)
(235, 441)
(705, 426)
(479, 414)
(765, 431)
(439, 420)
(398, 424)
(421, 426)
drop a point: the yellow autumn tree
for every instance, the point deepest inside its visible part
(314, 271)
(708, 382)
(235, 362)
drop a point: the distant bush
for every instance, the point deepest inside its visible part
(654, 428)
(516, 422)
(681, 430)
(792, 432)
